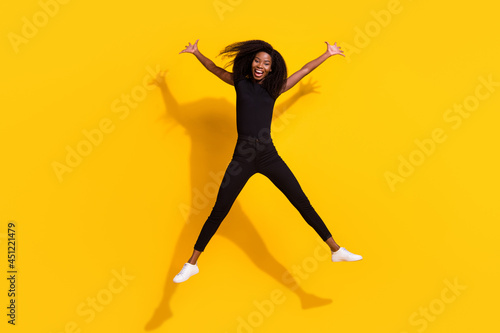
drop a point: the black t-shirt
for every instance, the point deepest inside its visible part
(254, 109)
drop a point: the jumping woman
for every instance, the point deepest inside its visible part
(259, 77)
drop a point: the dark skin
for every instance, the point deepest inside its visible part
(261, 64)
(261, 67)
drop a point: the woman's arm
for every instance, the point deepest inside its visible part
(310, 66)
(221, 73)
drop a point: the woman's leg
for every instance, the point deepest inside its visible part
(194, 257)
(246, 237)
(235, 178)
(281, 176)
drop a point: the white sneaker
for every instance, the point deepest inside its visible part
(343, 255)
(186, 272)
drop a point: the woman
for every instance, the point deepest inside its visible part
(259, 77)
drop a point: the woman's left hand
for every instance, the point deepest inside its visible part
(334, 49)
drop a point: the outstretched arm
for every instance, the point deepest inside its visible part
(221, 73)
(310, 66)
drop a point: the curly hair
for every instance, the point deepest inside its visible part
(243, 53)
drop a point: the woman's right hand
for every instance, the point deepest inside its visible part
(191, 48)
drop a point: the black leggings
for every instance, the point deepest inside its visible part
(252, 155)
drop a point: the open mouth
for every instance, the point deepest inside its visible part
(258, 73)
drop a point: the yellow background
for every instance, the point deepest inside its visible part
(123, 208)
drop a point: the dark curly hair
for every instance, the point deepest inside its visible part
(243, 53)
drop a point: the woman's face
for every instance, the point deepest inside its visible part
(261, 65)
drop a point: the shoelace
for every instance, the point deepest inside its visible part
(183, 271)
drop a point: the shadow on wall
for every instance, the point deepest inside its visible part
(211, 125)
